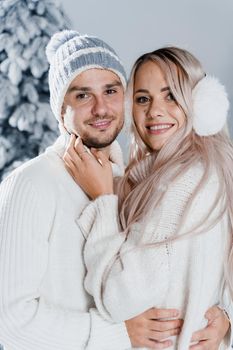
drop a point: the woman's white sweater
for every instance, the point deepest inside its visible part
(127, 278)
(43, 303)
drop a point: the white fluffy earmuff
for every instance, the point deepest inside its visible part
(210, 106)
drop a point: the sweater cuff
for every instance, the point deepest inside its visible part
(106, 206)
(106, 335)
(227, 305)
(228, 339)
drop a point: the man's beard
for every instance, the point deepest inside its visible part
(94, 142)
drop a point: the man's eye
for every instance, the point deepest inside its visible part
(110, 91)
(81, 96)
(142, 99)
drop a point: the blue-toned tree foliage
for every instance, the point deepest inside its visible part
(27, 126)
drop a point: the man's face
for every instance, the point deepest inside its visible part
(94, 107)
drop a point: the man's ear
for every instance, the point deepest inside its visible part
(63, 110)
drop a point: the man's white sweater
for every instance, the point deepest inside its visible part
(126, 278)
(43, 303)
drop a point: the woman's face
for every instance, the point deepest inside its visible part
(156, 114)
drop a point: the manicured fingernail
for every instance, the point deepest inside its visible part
(77, 140)
(176, 313)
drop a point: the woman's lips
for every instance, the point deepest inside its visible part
(157, 129)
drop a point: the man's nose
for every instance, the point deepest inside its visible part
(100, 107)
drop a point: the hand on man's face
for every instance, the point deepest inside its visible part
(91, 170)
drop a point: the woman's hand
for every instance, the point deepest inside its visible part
(92, 171)
(212, 335)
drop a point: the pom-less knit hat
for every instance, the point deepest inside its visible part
(69, 54)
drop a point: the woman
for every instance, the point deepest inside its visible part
(175, 200)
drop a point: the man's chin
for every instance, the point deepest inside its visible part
(95, 142)
(98, 144)
(101, 141)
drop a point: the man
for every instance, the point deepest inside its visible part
(43, 303)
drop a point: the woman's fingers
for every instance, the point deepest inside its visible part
(100, 157)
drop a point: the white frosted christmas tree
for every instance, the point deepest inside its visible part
(27, 126)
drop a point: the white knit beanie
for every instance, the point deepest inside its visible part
(69, 54)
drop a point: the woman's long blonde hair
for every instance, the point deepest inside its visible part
(184, 149)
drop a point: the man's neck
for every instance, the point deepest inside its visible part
(105, 150)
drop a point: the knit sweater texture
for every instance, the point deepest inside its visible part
(126, 278)
(43, 303)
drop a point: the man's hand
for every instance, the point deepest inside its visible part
(151, 328)
(211, 336)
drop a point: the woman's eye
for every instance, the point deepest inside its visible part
(170, 97)
(142, 99)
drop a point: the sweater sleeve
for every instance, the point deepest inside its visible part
(120, 276)
(227, 305)
(27, 320)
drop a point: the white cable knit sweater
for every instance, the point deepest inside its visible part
(186, 274)
(43, 304)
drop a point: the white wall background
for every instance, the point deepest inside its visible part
(132, 27)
